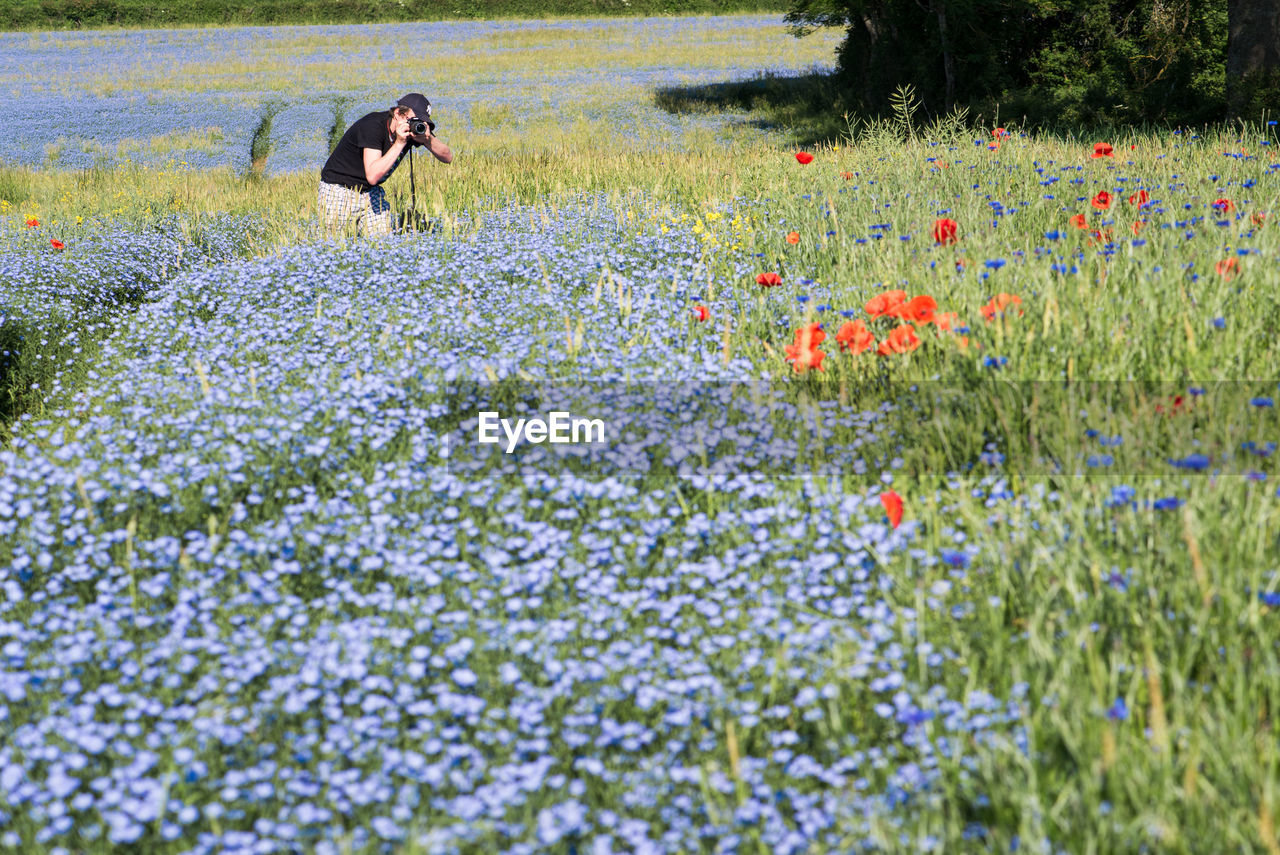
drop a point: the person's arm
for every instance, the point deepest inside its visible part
(377, 164)
(436, 146)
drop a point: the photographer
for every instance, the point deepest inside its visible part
(369, 151)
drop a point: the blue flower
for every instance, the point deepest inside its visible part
(1194, 462)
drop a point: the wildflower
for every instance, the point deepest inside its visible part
(768, 280)
(56, 244)
(854, 337)
(999, 133)
(947, 321)
(1194, 462)
(1223, 206)
(1258, 218)
(1119, 710)
(892, 507)
(919, 310)
(1176, 406)
(1142, 197)
(1227, 268)
(1137, 226)
(944, 230)
(999, 303)
(1101, 150)
(32, 223)
(846, 175)
(701, 313)
(793, 237)
(882, 303)
(993, 145)
(804, 157)
(810, 336)
(1102, 200)
(1079, 222)
(902, 339)
(804, 354)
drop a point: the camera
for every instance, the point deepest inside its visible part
(419, 126)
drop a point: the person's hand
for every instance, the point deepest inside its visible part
(402, 134)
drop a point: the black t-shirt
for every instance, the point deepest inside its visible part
(346, 165)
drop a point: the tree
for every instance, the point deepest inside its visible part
(1054, 61)
(1253, 56)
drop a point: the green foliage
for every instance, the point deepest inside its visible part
(75, 14)
(339, 124)
(1057, 62)
(260, 144)
(905, 104)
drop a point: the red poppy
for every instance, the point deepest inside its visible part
(1101, 150)
(946, 321)
(804, 354)
(994, 145)
(1137, 226)
(1177, 406)
(701, 313)
(1142, 197)
(999, 303)
(854, 337)
(1102, 201)
(892, 507)
(902, 339)
(803, 360)
(804, 157)
(32, 222)
(944, 230)
(768, 280)
(846, 175)
(810, 336)
(793, 237)
(918, 310)
(1227, 268)
(1258, 218)
(1098, 236)
(999, 133)
(1079, 222)
(56, 244)
(884, 302)
(1224, 206)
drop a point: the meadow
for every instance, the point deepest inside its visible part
(936, 509)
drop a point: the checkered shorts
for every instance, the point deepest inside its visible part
(368, 209)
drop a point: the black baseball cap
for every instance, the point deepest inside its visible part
(417, 103)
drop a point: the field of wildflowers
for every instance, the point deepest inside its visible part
(936, 509)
